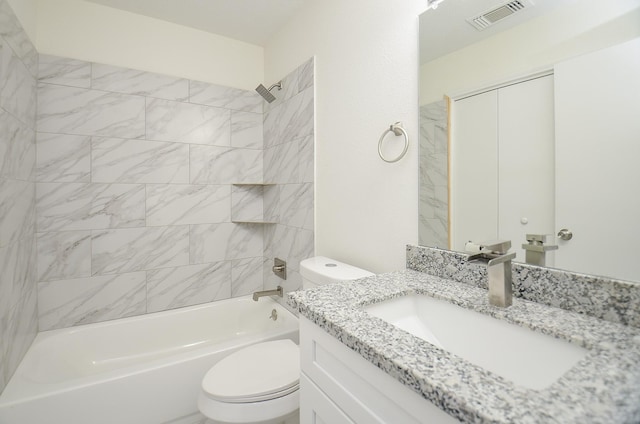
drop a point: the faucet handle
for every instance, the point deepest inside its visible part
(538, 243)
(493, 251)
(498, 247)
(537, 238)
(502, 258)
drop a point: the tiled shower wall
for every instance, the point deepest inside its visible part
(135, 192)
(18, 308)
(289, 163)
(433, 227)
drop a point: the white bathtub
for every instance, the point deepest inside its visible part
(140, 370)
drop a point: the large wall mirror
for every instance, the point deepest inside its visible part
(530, 125)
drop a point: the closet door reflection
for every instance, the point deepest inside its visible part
(474, 169)
(597, 151)
(503, 165)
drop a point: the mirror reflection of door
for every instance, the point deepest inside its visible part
(503, 164)
(554, 152)
(597, 161)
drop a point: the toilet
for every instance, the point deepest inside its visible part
(321, 270)
(259, 384)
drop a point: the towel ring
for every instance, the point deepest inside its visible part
(397, 130)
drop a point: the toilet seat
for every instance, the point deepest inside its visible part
(256, 384)
(256, 373)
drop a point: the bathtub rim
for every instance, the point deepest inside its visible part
(14, 392)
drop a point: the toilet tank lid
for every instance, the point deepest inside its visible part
(321, 269)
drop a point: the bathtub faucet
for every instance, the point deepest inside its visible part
(278, 291)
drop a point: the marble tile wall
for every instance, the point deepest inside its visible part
(133, 192)
(289, 163)
(116, 190)
(434, 195)
(18, 290)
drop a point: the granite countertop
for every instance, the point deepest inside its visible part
(604, 387)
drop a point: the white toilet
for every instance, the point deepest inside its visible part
(259, 384)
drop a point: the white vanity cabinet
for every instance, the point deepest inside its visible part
(339, 386)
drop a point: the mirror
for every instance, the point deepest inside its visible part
(588, 187)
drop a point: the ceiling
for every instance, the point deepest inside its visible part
(442, 30)
(251, 21)
(445, 29)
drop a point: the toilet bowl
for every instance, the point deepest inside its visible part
(260, 383)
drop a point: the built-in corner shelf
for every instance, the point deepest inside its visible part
(252, 202)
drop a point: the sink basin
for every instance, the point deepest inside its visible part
(521, 355)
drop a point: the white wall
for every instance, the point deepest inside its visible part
(366, 78)
(95, 33)
(568, 31)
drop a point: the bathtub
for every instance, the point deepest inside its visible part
(140, 370)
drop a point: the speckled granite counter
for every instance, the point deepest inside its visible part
(602, 388)
(601, 297)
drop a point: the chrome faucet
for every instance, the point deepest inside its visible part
(498, 269)
(276, 292)
(536, 249)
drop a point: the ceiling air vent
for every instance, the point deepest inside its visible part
(495, 14)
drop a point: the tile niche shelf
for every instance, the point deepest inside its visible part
(252, 203)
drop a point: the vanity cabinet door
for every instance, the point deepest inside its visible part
(355, 387)
(317, 408)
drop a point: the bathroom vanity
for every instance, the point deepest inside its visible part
(339, 387)
(373, 364)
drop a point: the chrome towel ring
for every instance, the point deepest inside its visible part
(397, 130)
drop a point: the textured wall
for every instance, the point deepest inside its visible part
(135, 192)
(18, 68)
(365, 79)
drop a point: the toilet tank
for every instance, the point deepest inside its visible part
(321, 270)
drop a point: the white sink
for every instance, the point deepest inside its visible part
(521, 355)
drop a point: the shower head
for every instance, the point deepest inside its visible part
(266, 92)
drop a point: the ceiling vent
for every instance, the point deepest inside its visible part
(498, 13)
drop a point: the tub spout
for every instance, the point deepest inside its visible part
(276, 292)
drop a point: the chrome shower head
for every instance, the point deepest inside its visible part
(266, 92)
